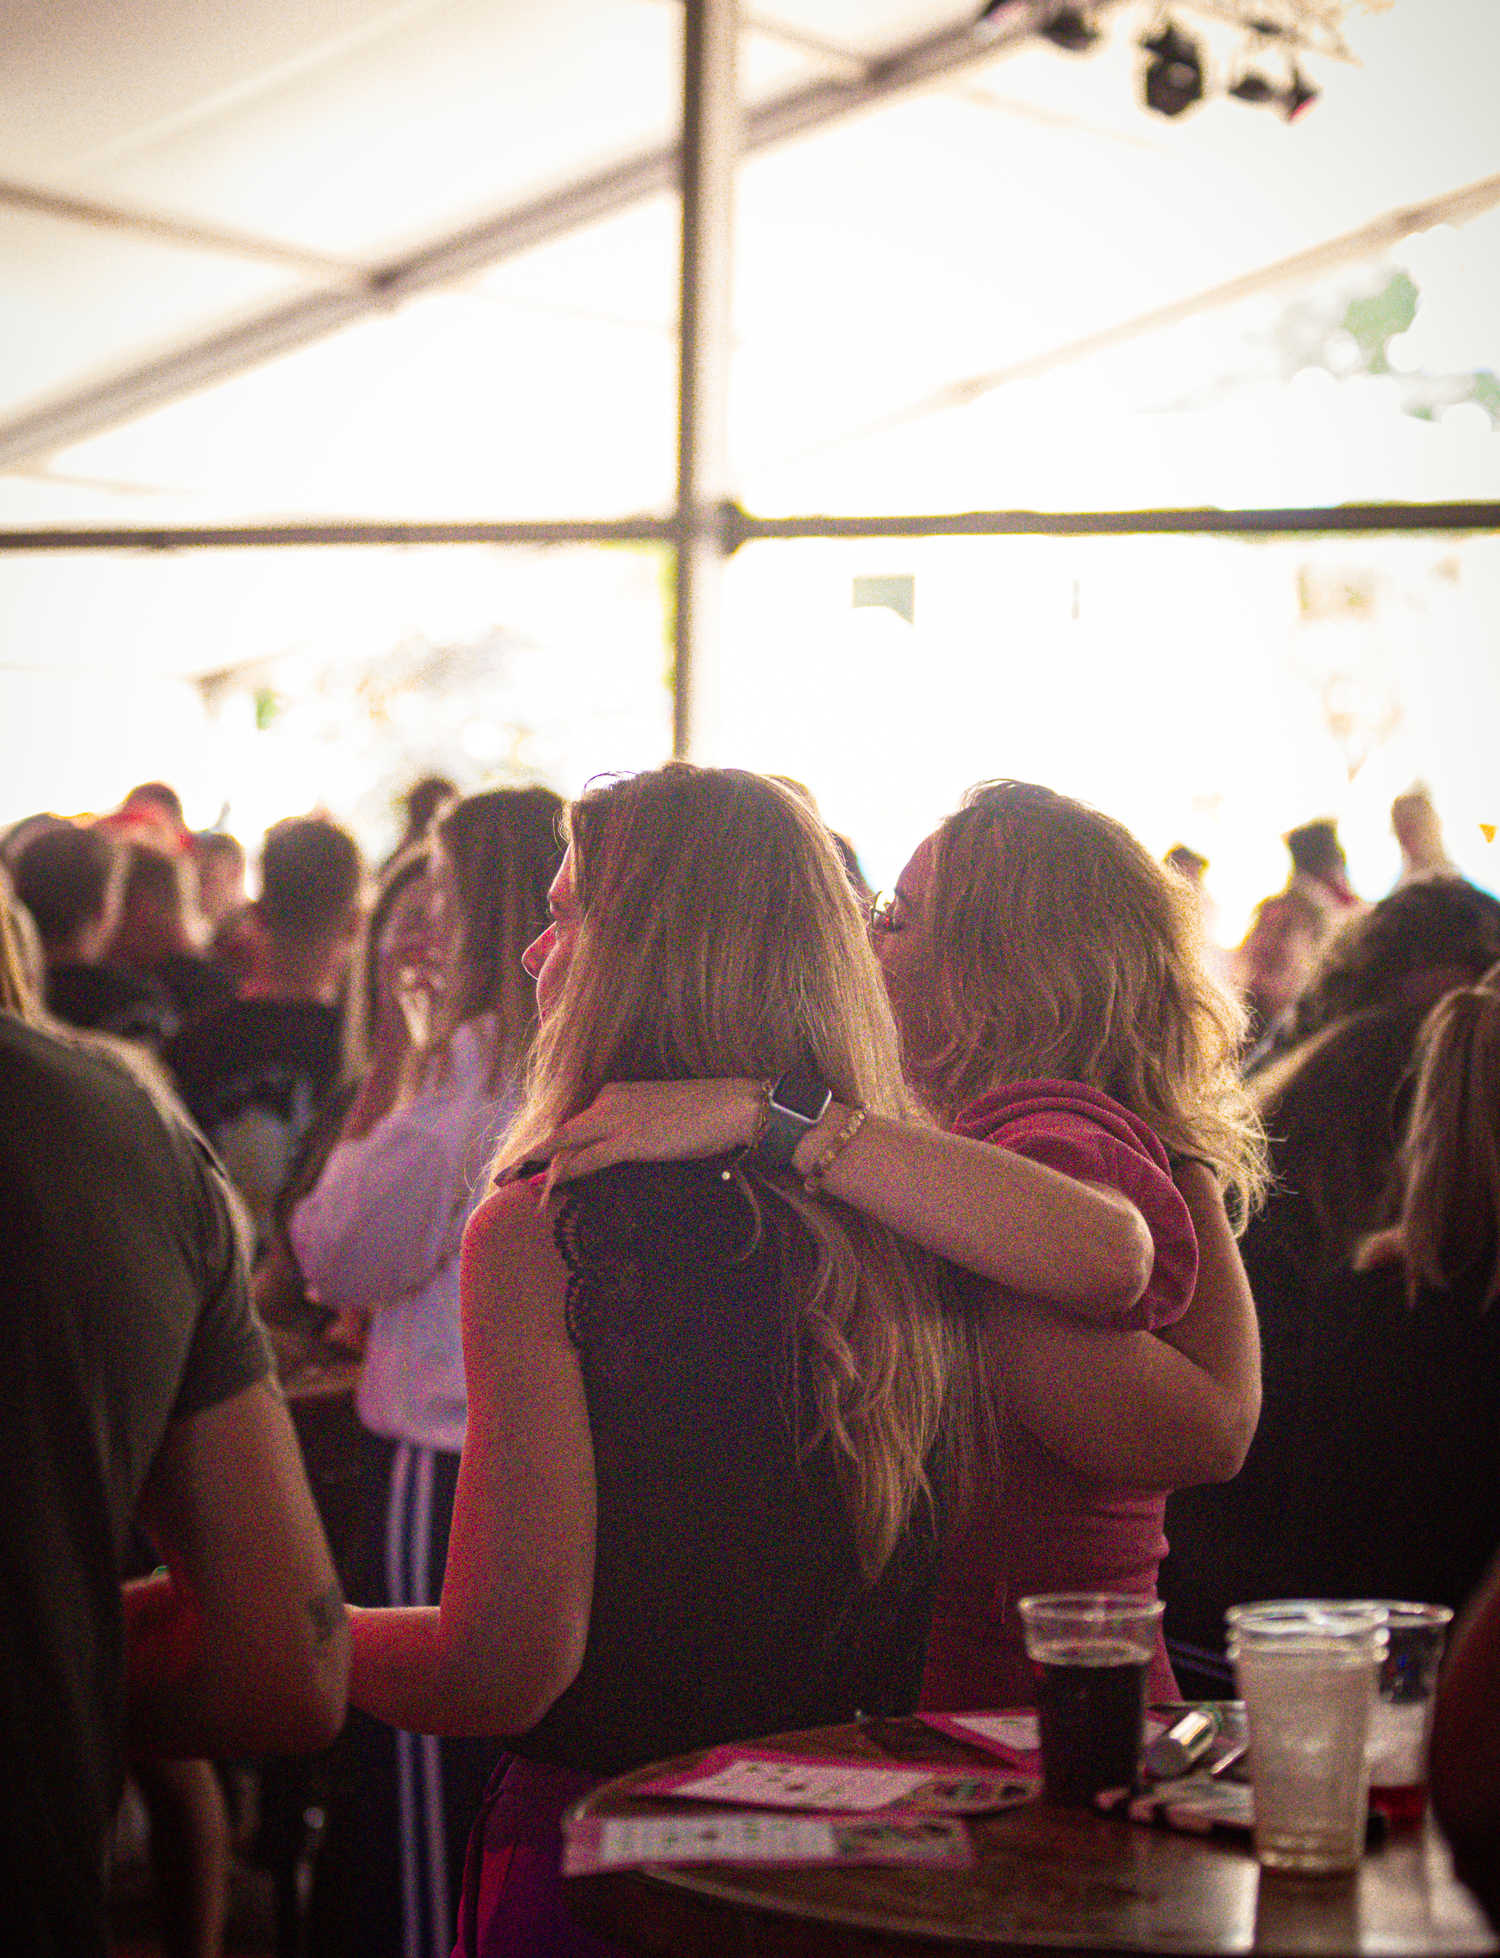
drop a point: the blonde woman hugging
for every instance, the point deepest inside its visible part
(1080, 1121)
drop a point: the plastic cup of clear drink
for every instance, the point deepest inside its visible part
(1401, 1722)
(1307, 1670)
(1091, 1652)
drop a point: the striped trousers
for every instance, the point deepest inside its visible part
(390, 1874)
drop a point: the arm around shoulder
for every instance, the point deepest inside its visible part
(1160, 1410)
(997, 1213)
(1013, 1221)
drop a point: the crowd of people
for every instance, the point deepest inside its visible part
(754, 1289)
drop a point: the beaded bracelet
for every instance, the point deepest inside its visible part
(813, 1181)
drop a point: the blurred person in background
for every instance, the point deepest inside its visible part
(1274, 963)
(161, 932)
(220, 863)
(1376, 1470)
(452, 1014)
(219, 860)
(71, 880)
(1408, 950)
(1336, 1106)
(1319, 866)
(1417, 828)
(1407, 1350)
(20, 834)
(254, 1071)
(152, 812)
(421, 804)
(297, 1324)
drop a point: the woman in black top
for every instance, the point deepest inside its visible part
(698, 1495)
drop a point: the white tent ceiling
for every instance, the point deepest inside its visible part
(1018, 204)
(174, 173)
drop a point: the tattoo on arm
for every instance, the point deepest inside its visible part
(327, 1614)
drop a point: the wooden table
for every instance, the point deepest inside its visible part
(1043, 1878)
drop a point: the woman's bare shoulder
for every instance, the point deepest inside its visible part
(511, 1206)
(510, 1250)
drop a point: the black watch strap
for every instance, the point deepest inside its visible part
(797, 1102)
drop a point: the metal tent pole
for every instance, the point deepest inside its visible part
(734, 527)
(710, 149)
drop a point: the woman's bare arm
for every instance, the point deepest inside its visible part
(1158, 1410)
(1013, 1221)
(509, 1635)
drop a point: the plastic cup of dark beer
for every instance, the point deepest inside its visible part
(1091, 1652)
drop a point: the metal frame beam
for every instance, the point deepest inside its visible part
(710, 151)
(735, 527)
(1352, 247)
(1359, 518)
(219, 240)
(312, 316)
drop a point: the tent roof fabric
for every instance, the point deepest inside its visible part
(193, 199)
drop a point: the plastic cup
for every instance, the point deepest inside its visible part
(1401, 1723)
(1306, 1670)
(1091, 1652)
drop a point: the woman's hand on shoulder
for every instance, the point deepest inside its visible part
(652, 1121)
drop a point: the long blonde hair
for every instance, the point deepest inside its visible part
(1450, 1156)
(21, 966)
(504, 846)
(718, 937)
(1060, 947)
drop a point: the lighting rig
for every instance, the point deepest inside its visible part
(1263, 69)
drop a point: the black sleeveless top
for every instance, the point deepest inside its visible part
(728, 1600)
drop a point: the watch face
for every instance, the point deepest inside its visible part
(801, 1092)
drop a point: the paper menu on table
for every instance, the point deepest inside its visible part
(1011, 1737)
(596, 1845)
(769, 1778)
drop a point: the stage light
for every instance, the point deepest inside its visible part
(1299, 97)
(1069, 29)
(1174, 77)
(1253, 88)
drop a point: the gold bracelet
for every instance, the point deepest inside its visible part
(813, 1181)
(762, 1114)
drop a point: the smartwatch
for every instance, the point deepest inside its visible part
(794, 1104)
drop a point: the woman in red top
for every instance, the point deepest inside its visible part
(1045, 977)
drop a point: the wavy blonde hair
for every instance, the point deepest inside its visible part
(1059, 947)
(21, 965)
(1450, 1157)
(718, 937)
